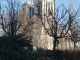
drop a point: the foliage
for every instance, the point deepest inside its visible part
(13, 47)
(58, 54)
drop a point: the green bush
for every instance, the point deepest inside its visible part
(12, 48)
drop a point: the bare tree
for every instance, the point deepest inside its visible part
(56, 24)
(75, 30)
(74, 25)
(10, 17)
(74, 37)
(14, 20)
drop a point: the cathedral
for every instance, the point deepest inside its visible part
(36, 11)
(39, 8)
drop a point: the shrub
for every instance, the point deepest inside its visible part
(60, 55)
(72, 55)
(12, 47)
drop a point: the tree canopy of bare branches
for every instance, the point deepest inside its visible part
(58, 24)
(14, 20)
(74, 25)
(10, 17)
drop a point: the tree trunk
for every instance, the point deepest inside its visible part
(54, 46)
(74, 46)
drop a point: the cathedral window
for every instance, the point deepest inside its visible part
(23, 9)
(48, 6)
(49, 10)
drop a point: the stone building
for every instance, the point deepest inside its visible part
(28, 8)
(40, 39)
(36, 9)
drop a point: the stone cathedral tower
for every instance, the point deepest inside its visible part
(42, 39)
(44, 6)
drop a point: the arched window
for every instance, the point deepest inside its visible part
(49, 9)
